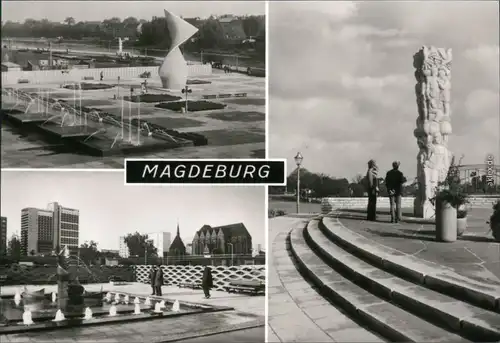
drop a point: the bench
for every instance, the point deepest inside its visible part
(192, 285)
(243, 286)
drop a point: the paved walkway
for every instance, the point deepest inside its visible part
(240, 302)
(297, 313)
(475, 255)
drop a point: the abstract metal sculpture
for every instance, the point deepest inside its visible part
(174, 70)
(433, 75)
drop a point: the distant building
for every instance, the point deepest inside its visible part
(232, 27)
(161, 241)
(123, 248)
(3, 236)
(9, 66)
(46, 230)
(177, 248)
(110, 251)
(227, 239)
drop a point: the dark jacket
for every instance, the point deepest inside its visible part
(372, 180)
(159, 277)
(152, 276)
(394, 180)
(207, 281)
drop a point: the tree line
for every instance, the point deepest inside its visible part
(319, 185)
(141, 33)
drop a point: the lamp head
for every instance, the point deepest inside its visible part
(298, 159)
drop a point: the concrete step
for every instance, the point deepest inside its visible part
(483, 293)
(465, 319)
(297, 313)
(379, 315)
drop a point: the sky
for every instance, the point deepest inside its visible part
(109, 209)
(99, 10)
(341, 81)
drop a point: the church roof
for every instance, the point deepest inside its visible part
(237, 229)
(177, 243)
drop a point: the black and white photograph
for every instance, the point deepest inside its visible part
(87, 83)
(84, 257)
(388, 229)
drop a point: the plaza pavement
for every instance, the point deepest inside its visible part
(238, 131)
(226, 326)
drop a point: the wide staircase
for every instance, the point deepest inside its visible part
(396, 296)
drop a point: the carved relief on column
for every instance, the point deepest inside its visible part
(433, 76)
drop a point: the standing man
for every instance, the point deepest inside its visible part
(372, 190)
(158, 280)
(394, 181)
(152, 279)
(207, 282)
(102, 75)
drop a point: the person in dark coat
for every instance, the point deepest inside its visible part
(207, 282)
(372, 190)
(158, 280)
(394, 181)
(152, 279)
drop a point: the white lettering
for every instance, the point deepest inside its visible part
(207, 171)
(165, 172)
(264, 171)
(180, 171)
(221, 171)
(231, 170)
(193, 168)
(249, 170)
(149, 170)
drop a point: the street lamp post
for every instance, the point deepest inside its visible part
(298, 161)
(232, 253)
(186, 90)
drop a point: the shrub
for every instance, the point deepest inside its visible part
(193, 106)
(271, 213)
(495, 221)
(151, 98)
(88, 86)
(461, 214)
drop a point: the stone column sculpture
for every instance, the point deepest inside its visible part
(174, 70)
(433, 75)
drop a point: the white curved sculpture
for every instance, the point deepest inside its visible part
(174, 70)
(433, 75)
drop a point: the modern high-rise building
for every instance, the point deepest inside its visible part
(45, 230)
(161, 241)
(123, 248)
(3, 236)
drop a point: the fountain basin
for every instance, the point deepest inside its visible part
(20, 118)
(44, 313)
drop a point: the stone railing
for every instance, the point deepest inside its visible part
(38, 275)
(222, 275)
(331, 204)
(76, 75)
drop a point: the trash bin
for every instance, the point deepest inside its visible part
(446, 221)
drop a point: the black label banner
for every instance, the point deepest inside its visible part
(199, 171)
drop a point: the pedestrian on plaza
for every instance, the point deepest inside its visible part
(372, 190)
(394, 181)
(102, 75)
(207, 282)
(158, 280)
(152, 279)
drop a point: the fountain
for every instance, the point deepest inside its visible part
(54, 297)
(137, 300)
(59, 316)
(137, 309)
(117, 298)
(158, 308)
(147, 302)
(17, 297)
(126, 300)
(27, 317)
(162, 304)
(112, 311)
(88, 314)
(176, 306)
(108, 297)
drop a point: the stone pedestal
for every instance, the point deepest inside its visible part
(433, 75)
